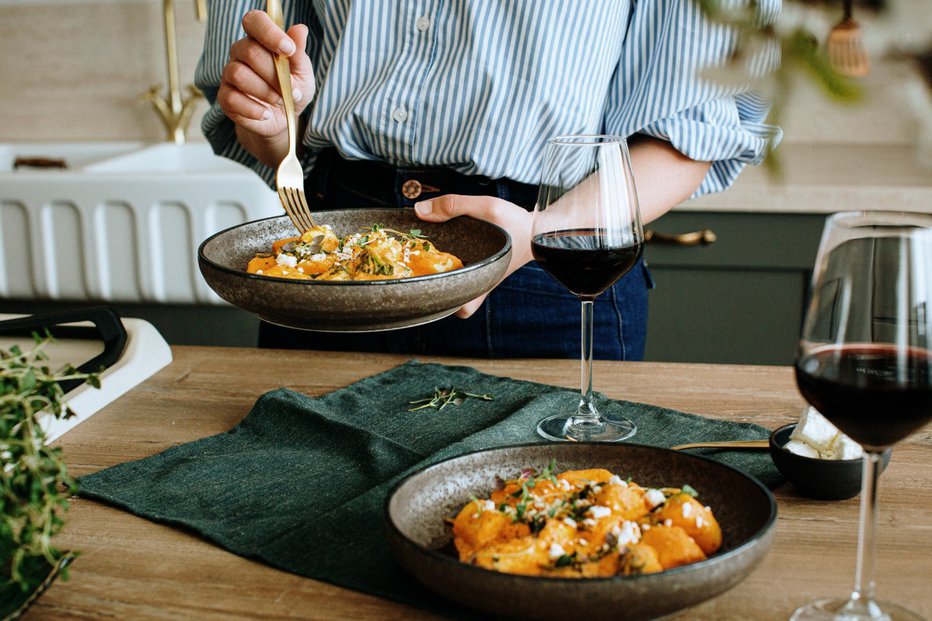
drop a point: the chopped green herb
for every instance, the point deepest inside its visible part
(521, 507)
(689, 489)
(565, 560)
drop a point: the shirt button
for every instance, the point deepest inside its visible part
(423, 23)
(411, 188)
(400, 114)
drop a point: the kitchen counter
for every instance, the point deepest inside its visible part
(825, 178)
(130, 568)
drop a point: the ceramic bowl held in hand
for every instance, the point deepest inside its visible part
(416, 512)
(823, 479)
(356, 306)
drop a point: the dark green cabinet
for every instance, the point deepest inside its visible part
(739, 299)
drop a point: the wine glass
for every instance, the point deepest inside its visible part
(587, 234)
(865, 362)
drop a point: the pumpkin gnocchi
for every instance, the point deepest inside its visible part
(374, 254)
(584, 523)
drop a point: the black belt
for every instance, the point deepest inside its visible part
(335, 181)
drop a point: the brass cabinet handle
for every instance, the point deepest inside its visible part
(705, 236)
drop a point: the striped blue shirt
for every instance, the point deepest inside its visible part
(480, 85)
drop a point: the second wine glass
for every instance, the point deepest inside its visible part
(865, 363)
(587, 234)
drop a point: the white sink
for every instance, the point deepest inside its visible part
(197, 158)
(121, 223)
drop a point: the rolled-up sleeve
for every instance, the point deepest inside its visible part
(659, 90)
(223, 28)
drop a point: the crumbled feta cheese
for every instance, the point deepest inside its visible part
(488, 505)
(627, 534)
(668, 522)
(654, 498)
(556, 551)
(699, 521)
(687, 509)
(565, 484)
(320, 256)
(599, 511)
(617, 480)
(570, 522)
(286, 260)
(582, 542)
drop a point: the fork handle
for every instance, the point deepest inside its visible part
(725, 444)
(283, 72)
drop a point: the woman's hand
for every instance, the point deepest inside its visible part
(249, 93)
(511, 217)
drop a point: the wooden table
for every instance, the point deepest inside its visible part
(131, 568)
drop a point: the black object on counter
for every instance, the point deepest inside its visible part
(108, 327)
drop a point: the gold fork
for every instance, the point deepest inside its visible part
(725, 444)
(289, 179)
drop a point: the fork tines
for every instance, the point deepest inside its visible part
(296, 207)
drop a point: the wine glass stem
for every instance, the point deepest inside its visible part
(586, 409)
(862, 599)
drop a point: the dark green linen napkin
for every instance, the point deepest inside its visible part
(300, 482)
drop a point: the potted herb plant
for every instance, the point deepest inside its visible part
(34, 483)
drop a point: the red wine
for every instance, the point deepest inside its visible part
(579, 260)
(868, 391)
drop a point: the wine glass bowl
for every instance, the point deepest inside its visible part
(587, 234)
(865, 362)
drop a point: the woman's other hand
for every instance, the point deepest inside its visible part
(249, 93)
(511, 217)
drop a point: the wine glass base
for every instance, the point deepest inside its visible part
(606, 428)
(833, 609)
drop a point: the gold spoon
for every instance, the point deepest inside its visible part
(728, 444)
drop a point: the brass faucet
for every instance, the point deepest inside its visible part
(175, 110)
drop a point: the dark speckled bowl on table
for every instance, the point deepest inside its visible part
(356, 306)
(416, 508)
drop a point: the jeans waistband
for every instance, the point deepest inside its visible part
(336, 180)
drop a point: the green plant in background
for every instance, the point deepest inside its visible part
(800, 37)
(34, 483)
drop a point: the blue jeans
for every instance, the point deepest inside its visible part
(528, 315)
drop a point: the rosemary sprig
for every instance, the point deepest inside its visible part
(443, 397)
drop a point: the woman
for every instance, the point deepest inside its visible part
(446, 107)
